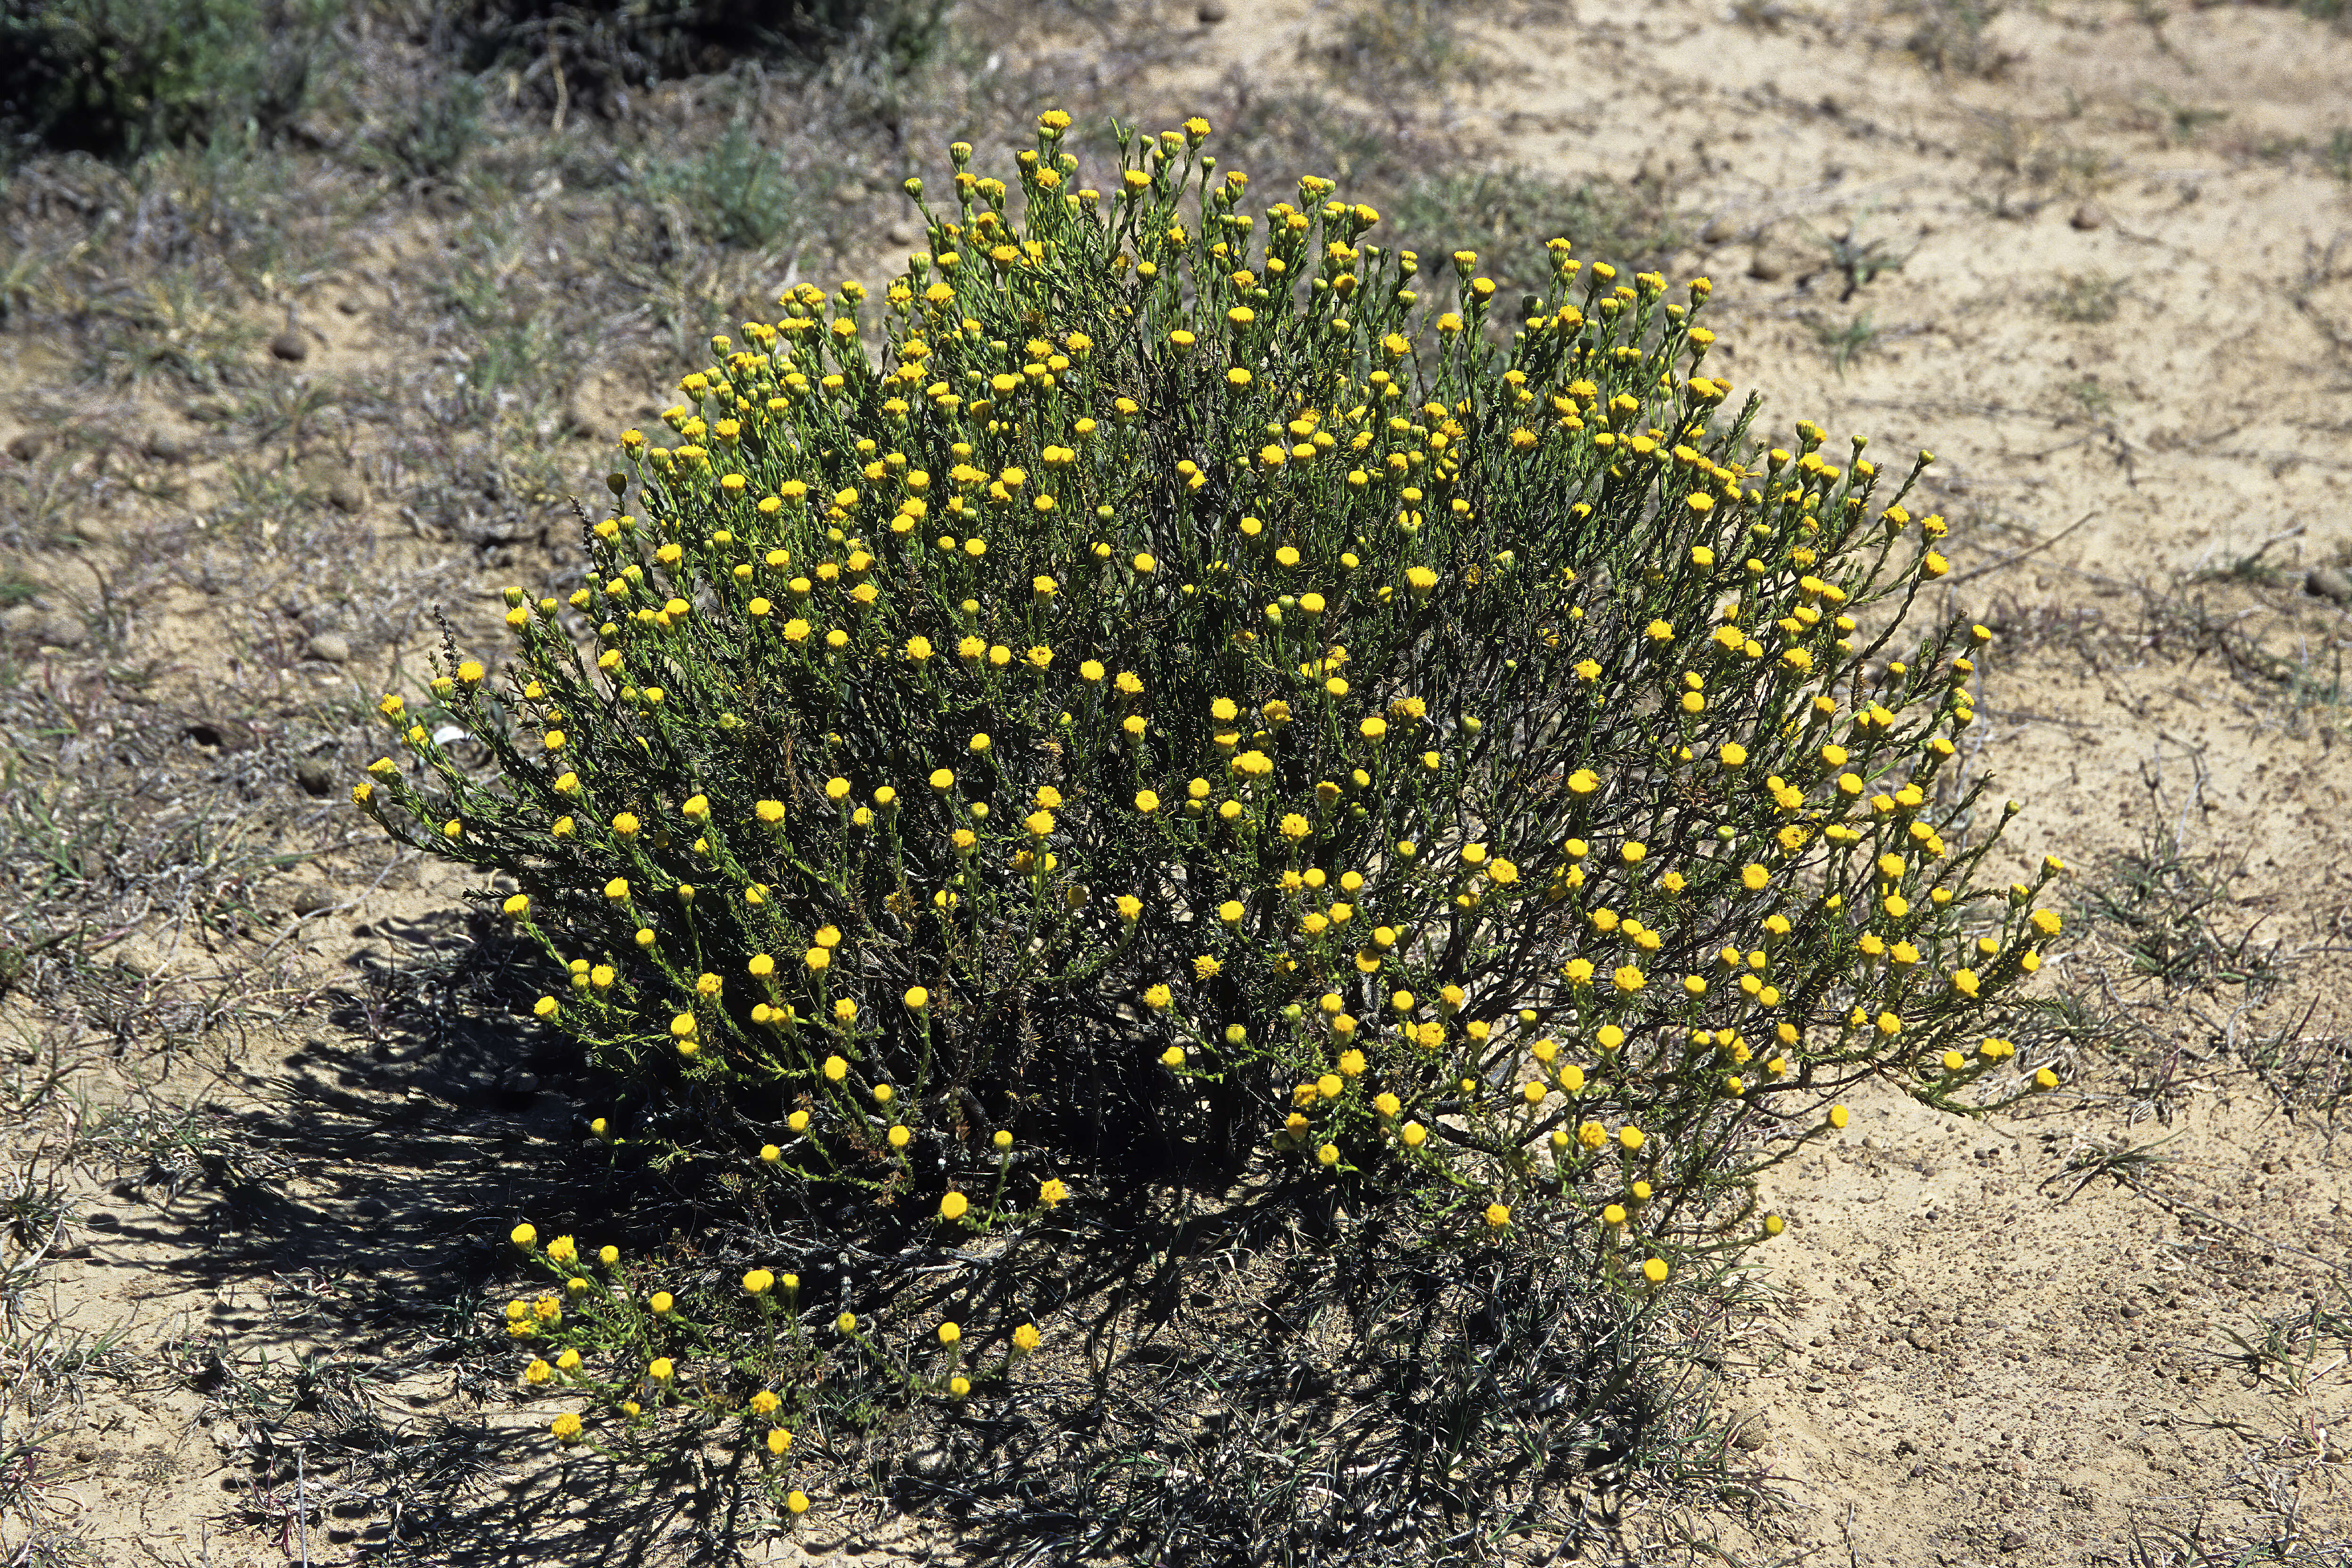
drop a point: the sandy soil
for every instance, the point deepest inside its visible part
(2122, 317)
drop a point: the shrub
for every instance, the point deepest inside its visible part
(119, 76)
(1129, 710)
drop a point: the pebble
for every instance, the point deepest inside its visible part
(1764, 268)
(348, 307)
(2328, 582)
(330, 647)
(27, 445)
(2088, 216)
(311, 900)
(61, 629)
(315, 777)
(1212, 12)
(347, 494)
(164, 446)
(291, 346)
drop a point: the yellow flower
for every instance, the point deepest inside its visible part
(1655, 1270)
(953, 1207)
(1498, 1216)
(566, 1427)
(758, 1282)
(661, 1302)
(523, 1236)
(661, 1371)
(796, 1503)
(1025, 1338)
(1205, 967)
(780, 1442)
(1052, 1190)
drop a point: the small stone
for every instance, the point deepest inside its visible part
(328, 647)
(929, 1460)
(347, 494)
(317, 779)
(848, 193)
(2328, 582)
(63, 630)
(2088, 216)
(1765, 269)
(291, 346)
(1753, 1433)
(310, 899)
(27, 445)
(1212, 12)
(164, 446)
(900, 233)
(349, 307)
(2012, 1541)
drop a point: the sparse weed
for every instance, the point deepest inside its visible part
(2286, 1349)
(1845, 343)
(735, 193)
(2088, 299)
(2162, 910)
(1388, 44)
(1948, 37)
(443, 129)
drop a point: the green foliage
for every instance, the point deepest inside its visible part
(119, 76)
(443, 129)
(735, 193)
(1163, 696)
(606, 47)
